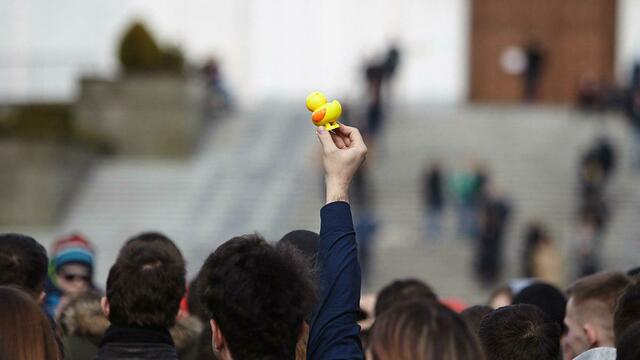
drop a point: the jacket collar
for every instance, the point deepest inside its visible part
(130, 334)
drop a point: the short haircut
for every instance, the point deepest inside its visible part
(402, 291)
(596, 295)
(146, 284)
(154, 240)
(25, 331)
(23, 263)
(547, 297)
(628, 346)
(258, 295)
(522, 332)
(473, 316)
(423, 330)
(628, 309)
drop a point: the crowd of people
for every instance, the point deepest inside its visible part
(298, 298)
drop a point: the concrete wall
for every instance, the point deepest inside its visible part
(38, 177)
(141, 115)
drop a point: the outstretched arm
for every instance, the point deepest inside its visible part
(334, 330)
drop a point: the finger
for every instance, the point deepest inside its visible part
(325, 139)
(338, 140)
(352, 133)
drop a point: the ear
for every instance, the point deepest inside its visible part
(218, 339)
(592, 334)
(42, 296)
(104, 304)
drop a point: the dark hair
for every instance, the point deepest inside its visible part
(25, 332)
(547, 297)
(23, 263)
(402, 291)
(521, 332)
(152, 240)
(628, 346)
(306, 242)
(147, 282)
(628, 310)
(473, 316)
(634, 272)
(423, 330)
(258, 295)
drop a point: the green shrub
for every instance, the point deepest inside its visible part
(138, 50)
(139, 53)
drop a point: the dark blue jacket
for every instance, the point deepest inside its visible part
(334, 333)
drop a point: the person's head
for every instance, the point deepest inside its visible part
(25, 332)
(146, 284)
(72, 259)
(627, 310)
(520, 332)
(547, 297)
(628, 346)
(151, 240)
(401, 291)
(23, 263)
(305, 241)
(258, 296)
(422, 330)
(500, 297)
(473, 316)
(634, 272)
(590, 308)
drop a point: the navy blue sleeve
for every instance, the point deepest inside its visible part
(334, 330)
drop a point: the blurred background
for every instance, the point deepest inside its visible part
(504, 135)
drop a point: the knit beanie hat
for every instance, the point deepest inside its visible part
(72, 249)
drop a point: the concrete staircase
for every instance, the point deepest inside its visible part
(257, 171)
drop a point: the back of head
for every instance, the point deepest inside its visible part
(628, 310)
(305, 241)
(146, 284)
(152, 240)
(628, 346)
(258, 295)
(473, 316)
(23, 263)
(547, 297)
(423, 330)
(594, 298)
(402, 291)
(25, 333)
(520, 332)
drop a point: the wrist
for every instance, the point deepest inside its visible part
(337, 191)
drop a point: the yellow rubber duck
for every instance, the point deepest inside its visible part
(324, 113)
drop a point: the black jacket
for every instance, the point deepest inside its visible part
(130, 343)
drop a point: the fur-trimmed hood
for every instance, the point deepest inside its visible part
(185, 332)
(83, 316)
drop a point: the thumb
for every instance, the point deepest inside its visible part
(325, 139)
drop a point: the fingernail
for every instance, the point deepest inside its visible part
(321, 130)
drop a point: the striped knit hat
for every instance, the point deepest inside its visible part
(73, 249)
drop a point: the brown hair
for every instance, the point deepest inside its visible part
(603, 288)
(25, 332)
(423, 330)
